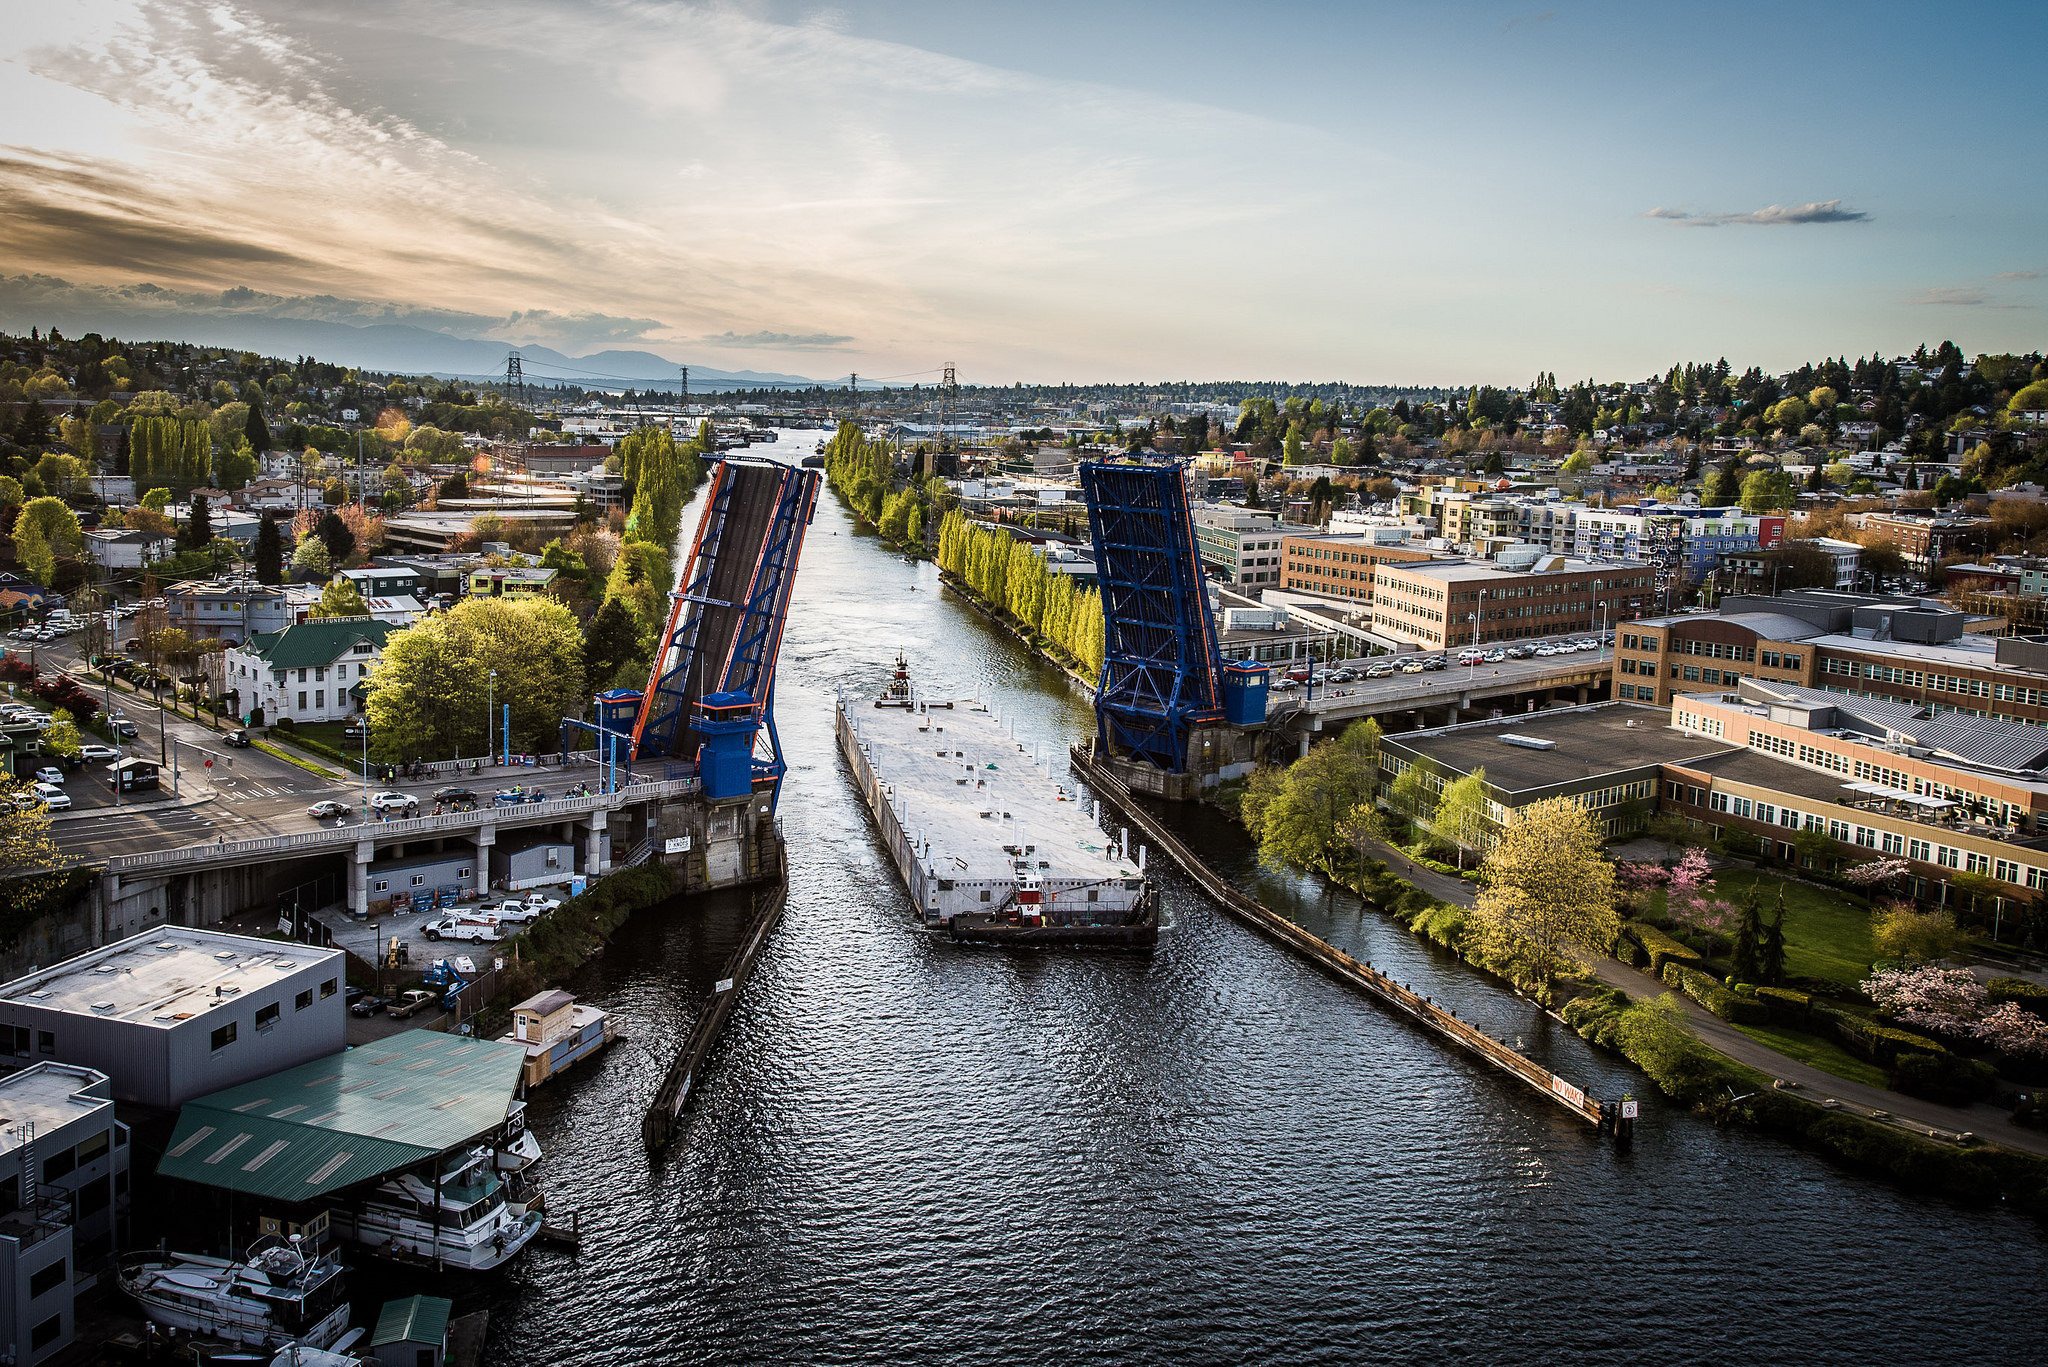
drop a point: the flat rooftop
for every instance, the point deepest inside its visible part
(1467, 571)
(48, 1096)
(1584, 743)
(165, 976)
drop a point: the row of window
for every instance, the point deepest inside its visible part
(1844, 832)
(268, 1013)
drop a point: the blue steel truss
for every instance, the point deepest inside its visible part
(659, 730)
(1161, 664)
(725, 624)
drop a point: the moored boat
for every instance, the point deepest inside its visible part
(277, 1296)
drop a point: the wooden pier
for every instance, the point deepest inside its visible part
(659, 1126)
(1398, 998)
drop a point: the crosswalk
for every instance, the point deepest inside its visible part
(245, 791)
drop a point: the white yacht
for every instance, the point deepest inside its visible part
(277, 1297)
(472, 1223)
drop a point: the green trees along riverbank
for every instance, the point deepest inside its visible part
(1015, 580)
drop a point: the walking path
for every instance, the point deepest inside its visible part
(1929, 1118)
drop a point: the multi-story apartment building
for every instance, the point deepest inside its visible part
(229, 611)
(1339, 565)
(1924, 539)
(1241, 546)
(1683, 543)
(1444, 603)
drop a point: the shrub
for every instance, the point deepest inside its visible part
(1903, 931)
(1442, 923)
(1597, 1015)
(1881, 1044)
(1943, 1077)
(1786, 1006)
(1705, 989)
(2031, 995)
(1661, 948)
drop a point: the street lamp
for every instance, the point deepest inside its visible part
(490, 711)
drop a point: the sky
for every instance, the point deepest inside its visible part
(1443, 193)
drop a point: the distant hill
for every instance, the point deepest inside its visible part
(402, 348)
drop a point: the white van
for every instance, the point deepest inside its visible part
(462, 928)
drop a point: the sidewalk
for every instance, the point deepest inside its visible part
(131, 804)
(1814, 1084)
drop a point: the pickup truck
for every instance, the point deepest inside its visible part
(411, 1004)
(461, 928)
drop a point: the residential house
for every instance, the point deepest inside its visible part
(310, 672)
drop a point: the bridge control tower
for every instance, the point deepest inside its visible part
(1170, 716)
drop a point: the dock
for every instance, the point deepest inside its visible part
(1399, 999)
(658, 1127)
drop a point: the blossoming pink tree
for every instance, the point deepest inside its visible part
(1876, 873)
(1950, 1000)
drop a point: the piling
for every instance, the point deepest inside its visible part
(659, 1126)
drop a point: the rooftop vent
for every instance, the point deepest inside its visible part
(225, 955)
(103, 1007)
(104, 968)
(164, 945)
(1529, 742)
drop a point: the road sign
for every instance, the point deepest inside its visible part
(1629, 1109)
(209, 762)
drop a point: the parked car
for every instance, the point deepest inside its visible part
(394, 802)
(367, 1005)
(321, 811)
(53, 797)
(98, 751)
(238, 738)
(540, 901)
(51, 775)
(461, 928)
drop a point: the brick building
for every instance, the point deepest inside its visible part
(1445, 603)
(1339, 564)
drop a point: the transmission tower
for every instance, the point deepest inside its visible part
(853, 393)
(682, 397)
(515, 378)
(949, 396)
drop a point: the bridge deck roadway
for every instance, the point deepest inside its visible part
(1458, 684)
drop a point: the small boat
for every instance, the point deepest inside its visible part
(276, 1297)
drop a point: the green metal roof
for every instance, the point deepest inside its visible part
(349, 1118)
(416, 1319)
(320, 641)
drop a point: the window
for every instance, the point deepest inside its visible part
(48, 1279)
(95, 1196)
(984, 894)
(46, 1333)
(224, 1036)
(266, 1015)
(303, 1000)
(419, 880)
(302, 696)
(60, 1164)
(319, 697)
(46, 1041)
(95, 1147)
(330, 987)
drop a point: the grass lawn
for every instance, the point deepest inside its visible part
(1825, 1055)
(1827, 934)
(326, 733)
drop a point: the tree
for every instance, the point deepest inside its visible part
(157, 500)
(1577, 463)
(257, 430)
(1300, 826)
(341, 598)
(61, 739)
(335, 535)
(237, 465)
(1409, 793)
(311, 558)
(198, 529)
(1766, 491)
(269, 551)
(28, 852)
(1461, 814)
(32, 428)
(610, 644)
(1549, 890)
(1903, 931)
(46, 531)
(426, 697)
(334, 492)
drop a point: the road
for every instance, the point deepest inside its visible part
(244, 793)
(1988, 1122)
(1365, 695)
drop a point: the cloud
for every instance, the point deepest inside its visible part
(1770, 216)
(790, 341)
(2018, 275)
(1957, 296)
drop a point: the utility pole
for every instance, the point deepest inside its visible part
(515, 378)
(682, 398)
(853, 391)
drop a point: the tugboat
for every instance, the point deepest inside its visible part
(275, 1298)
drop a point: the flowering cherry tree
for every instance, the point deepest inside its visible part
(2012, 1029)
(1945, 999)
(1689, 895)
(1876, 873)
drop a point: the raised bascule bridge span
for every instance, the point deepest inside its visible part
(686, 771)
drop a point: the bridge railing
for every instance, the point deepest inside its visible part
(334, 837)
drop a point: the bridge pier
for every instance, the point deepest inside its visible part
(595, 864)
(359, 879)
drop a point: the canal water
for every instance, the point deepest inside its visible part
(912, 1151)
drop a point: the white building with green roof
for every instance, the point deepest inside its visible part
(310, 672)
